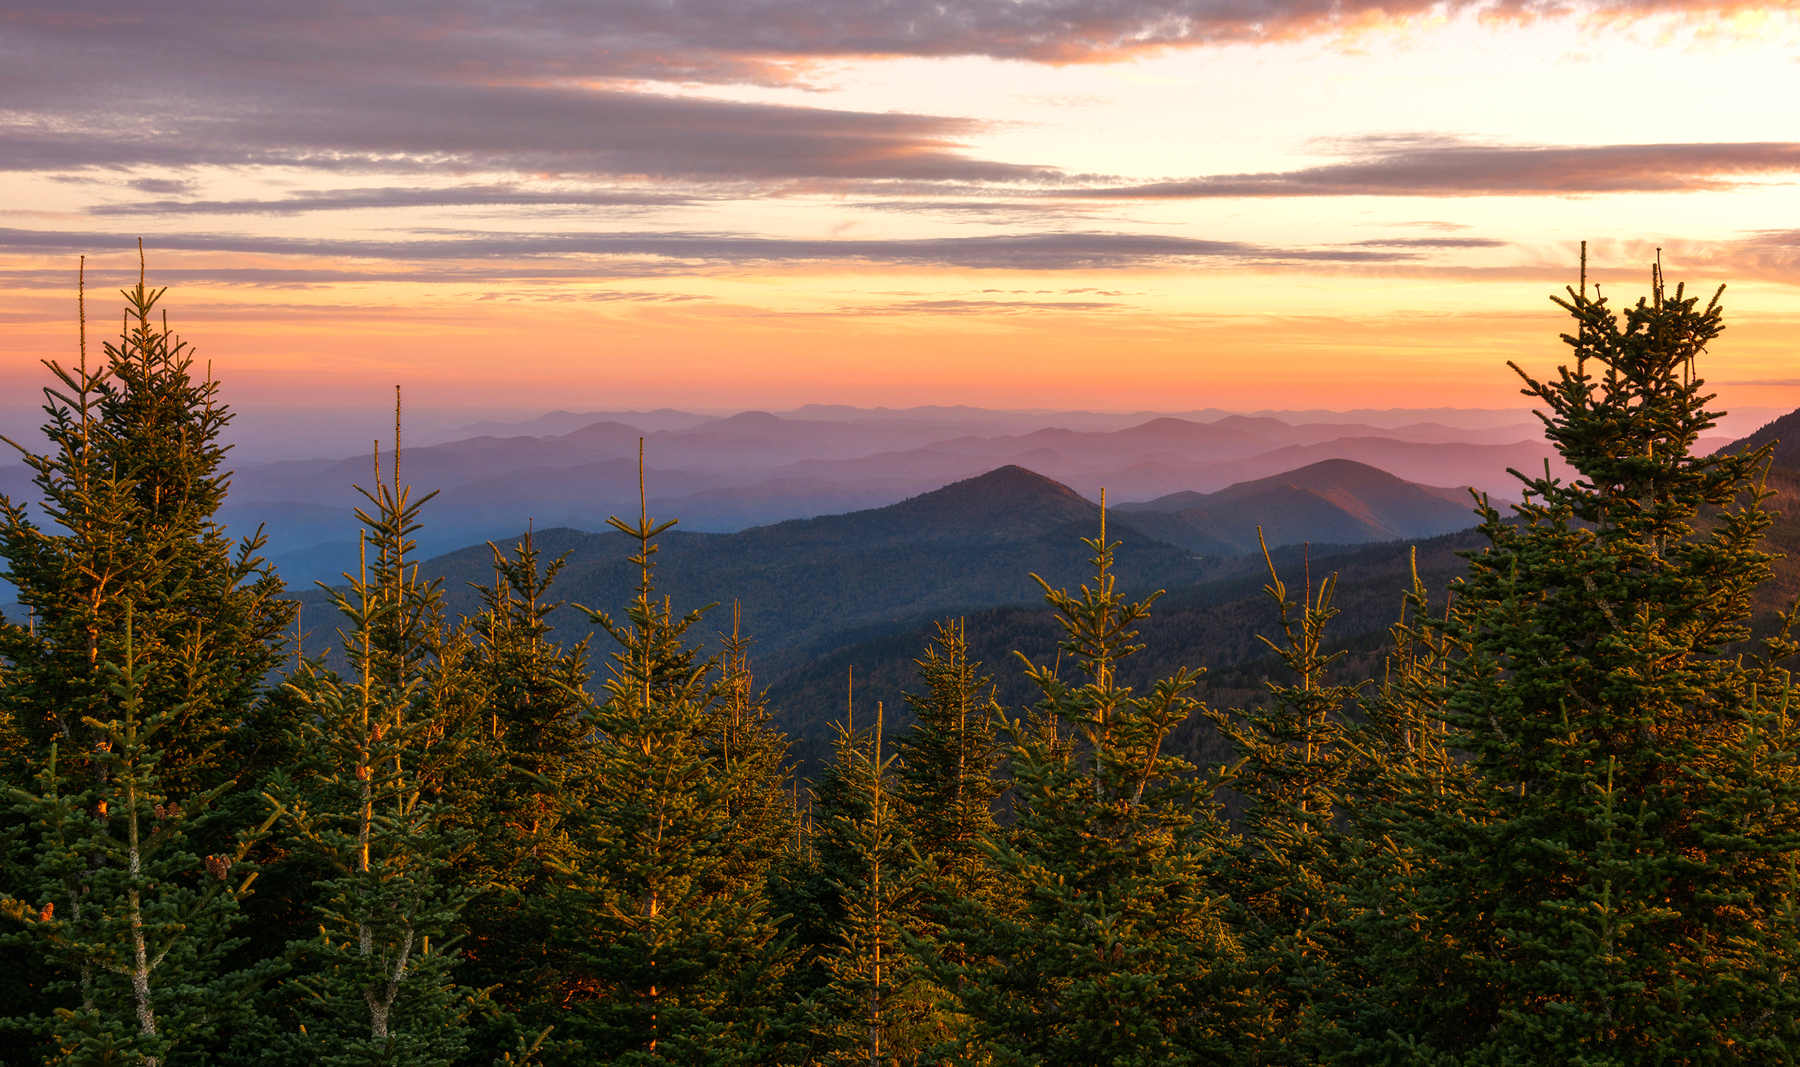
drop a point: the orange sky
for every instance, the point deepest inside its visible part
(1340, 213)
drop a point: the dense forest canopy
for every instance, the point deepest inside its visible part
(1553, 818)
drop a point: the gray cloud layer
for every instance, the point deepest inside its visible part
(541, 130)
(1429, 166)
(534, 89)
(398, 197)
(530, 104)
(1041, 251)
(701, 39)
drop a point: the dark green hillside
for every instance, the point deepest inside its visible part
(1212, 624)
(1181, 530)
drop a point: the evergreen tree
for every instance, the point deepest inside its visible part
(145, 622)
(870, 1007)
(130, 489)
(1116, 948)
(137, 950)
(749, 758)
(1618, 884)
(527, 768)
(1402, 773)
(945, 779)
(945, 789)
(1283, 868)
(373, 987)
(672, 959)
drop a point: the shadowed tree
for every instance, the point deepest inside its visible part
(1283, 867)
(529, 765)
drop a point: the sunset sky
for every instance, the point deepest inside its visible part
(1103, 204)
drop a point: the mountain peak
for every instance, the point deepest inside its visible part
(1010, 501)
(745, 420)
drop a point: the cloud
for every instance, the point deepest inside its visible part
(978, 307)
(1031, 251)
(1422, 165)
(472, 258)
(542, 130)
(1430, 242)
(354, 199)
(165, 186)
(708, 40)
(545, 88)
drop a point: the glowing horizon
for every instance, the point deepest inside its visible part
(1051, 206)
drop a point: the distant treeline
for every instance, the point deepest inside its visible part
(1552, 818)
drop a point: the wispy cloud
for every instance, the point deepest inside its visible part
(1445, 166)
(1030, 251)
(978, 307)
(553, 89)
(541, 130)
(507, 195)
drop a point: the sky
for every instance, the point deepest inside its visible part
(728, 204)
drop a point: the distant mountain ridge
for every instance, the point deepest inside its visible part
(1335, 500)
(977, 541)
(729, 473)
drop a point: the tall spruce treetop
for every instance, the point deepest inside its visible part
(130, 489)
(947, 761)
(673, 956)
(1623, 888)
(368, 809)
(1284, 867)
(129, 693)
(749, 757)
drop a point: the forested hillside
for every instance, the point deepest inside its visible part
(1521, 794)
(1214, 623)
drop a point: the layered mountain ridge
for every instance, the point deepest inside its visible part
(756, 468)
(1335, 500)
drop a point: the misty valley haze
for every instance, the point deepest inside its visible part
(754, 468)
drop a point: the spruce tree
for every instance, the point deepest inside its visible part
(945, 787)
(1403, 772)
(375, 985)
(130, 489)
(527, 767)
(140, 669)
(749, 757)
(1115, 951)
(871, 1007)
(945, 778)
(137, 952)
(1283, 866)
(672, 959)
(1621, 887)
